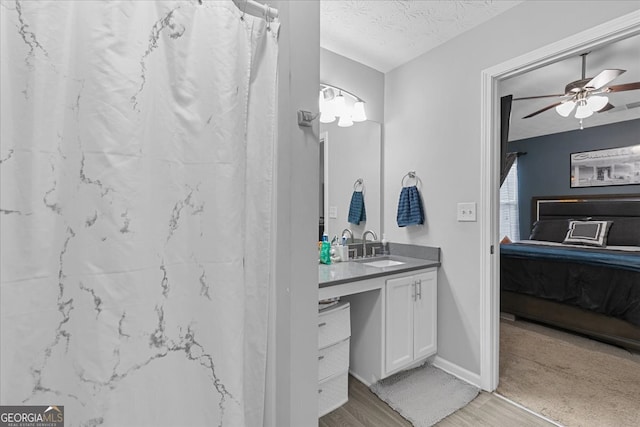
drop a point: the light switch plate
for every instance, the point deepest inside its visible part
(467, 211)
(333, 212)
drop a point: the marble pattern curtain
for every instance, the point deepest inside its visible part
(136, 163)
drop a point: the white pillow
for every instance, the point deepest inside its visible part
(591, 233)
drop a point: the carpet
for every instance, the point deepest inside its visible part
(573, 380)
(424, 395)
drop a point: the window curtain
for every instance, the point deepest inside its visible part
(509, 212)
(506, 159)
(509, 159)
(136, 169)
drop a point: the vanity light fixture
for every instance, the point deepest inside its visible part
(338, 103)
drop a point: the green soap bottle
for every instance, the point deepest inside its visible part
(325, 250)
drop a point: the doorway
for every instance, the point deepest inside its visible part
(610, 32)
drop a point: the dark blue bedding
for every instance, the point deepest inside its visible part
(599, 280)
(590, 256)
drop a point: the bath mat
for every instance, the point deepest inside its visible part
(424, 395)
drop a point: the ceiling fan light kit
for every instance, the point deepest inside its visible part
(597, 102)
(585, 95)
(583, 111)
(565, 108)
(587, 105)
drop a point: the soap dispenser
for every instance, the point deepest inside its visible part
(325, 250)
(335, 250)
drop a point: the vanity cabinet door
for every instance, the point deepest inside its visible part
(400, 295)
(410, 320)
(425, 315)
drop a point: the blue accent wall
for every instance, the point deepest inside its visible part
(545, 169)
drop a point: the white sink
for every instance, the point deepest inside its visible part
(383, 263)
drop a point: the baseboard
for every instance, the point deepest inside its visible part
(457, 371)
(440, 363)
(507, 316)
(359, 378)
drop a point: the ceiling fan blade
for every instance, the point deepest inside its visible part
(607, 107)
(542, 96)
(542, 110)
(623, 87)
(603, 78)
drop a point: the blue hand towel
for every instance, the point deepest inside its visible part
(410, 207)
(357, 212)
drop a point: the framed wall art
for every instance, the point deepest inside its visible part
(599, 168)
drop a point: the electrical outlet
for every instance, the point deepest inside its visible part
(467, 211)
(333, 212)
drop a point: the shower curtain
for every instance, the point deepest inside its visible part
(136, 205)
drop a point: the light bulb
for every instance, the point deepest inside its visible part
(597, 103)
(339, 105)
(358, 112)
(583, 111)
(329, 109)
(326, 118)
(345, 121)
(326, 113)
(565, 108)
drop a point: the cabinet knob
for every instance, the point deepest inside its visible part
(322, 324)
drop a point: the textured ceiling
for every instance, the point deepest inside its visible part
(384, 34)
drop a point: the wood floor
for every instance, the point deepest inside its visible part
(489, 410)
(365, 409)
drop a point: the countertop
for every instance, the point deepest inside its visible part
(351, 271)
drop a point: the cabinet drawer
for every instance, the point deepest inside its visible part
(334, 325)
(333, 359)
(333, 393)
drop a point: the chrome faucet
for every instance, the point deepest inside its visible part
(347, 231)
(364, 240)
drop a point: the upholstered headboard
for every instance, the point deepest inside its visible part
(560, 207)
(551, 216)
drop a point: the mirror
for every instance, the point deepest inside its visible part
(347, 154)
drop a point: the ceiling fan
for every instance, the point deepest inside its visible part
(586, 95)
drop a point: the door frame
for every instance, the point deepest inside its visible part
(324, 143)
(609, 32)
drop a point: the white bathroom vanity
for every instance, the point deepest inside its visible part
(387, 314)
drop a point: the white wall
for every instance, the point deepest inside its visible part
(432, 126)
(292, 364)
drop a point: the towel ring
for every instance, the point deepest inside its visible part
(410, 175)
(359, 182)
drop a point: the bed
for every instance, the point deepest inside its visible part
(579, 269)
